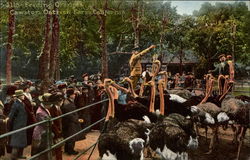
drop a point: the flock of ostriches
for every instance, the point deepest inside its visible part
(166, 124)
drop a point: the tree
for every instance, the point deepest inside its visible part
(11, 31)
(214, 33)
(54, 57)
(101, 14)
(44, 59)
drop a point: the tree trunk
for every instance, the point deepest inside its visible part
(57, 74)
(136, 23)
(181, 57)
(11, 32)
(104, 48)
(103, 35)
(43, 73)
(54, 44)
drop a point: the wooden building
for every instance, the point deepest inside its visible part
(174, 63)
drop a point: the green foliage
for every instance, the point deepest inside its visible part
(208, 32)
(214, 34)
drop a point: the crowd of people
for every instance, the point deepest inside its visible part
(22, 104)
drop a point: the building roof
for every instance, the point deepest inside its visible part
(189, 58)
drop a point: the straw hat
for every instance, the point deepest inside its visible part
(45, 98)
(18, 93)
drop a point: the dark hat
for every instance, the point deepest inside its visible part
(11, 90)
(45, 98)
(222, 55)
(28, 82)
(84, 75)
(229, 56)
(24, 86)
(56, 97)
(61, 86)
(70, 91)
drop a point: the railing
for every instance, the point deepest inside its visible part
(201, 89)
(48, 132)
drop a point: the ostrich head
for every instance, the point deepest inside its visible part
(156, 67)
(136, 146)
(129, 81)
(108, 82)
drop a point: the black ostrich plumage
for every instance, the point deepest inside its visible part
(133, 110)
(117, 140)
(171, 106)
(244, 98)
(215, 99)
(175, 131)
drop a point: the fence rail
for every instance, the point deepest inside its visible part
(48, 131)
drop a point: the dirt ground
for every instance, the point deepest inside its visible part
(225, 150)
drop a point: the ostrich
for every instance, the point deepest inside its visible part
(131, 110)
(238, 111)
(209, 114)
(126, 140)
(146, 76)
(174, 103)
(122, 140)
(243, 98)
(177, 135)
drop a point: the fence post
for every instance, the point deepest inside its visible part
(49, 137)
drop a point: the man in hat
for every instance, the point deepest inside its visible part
(39, 138)
(222, 70)
(57, 100)
(71, 123)
(9, 99)
(85, 78)
(29, 107)
(18, 119)
(3, 129)
(135, 64)
(62, 88)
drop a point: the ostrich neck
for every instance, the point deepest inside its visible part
(152, 98)
(166, 81)
(125, 90)
(132, 89)
(111, 106)
(142, 87)
(162, 106)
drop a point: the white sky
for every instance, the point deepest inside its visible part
(187, 7)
